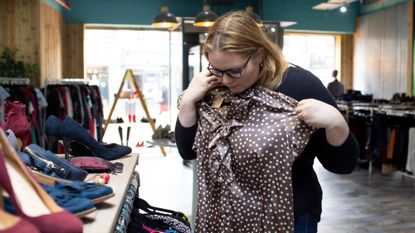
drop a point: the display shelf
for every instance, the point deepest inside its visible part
(105, 218)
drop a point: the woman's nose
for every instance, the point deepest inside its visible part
(226, 79)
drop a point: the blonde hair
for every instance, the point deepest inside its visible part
(236, 32)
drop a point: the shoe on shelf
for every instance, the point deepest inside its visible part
(73, 203)
(94, 192)
(11, 137)
(145, 120)
(162, 132)
(119, 120)
(71, 131)
(77, 205)
(53, 126)
(31, 202)
(47, 162)
(42, 178)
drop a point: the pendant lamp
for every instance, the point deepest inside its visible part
(256, 17)
(165, 19)
(205, 18)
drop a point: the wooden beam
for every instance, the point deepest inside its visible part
(346, 60)
(410, 66)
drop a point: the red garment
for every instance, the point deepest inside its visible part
(15, 119)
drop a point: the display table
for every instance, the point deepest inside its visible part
(105, 218)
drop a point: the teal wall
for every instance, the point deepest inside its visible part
(308, 19)
(137, 11)
(141, 12)
(126, 11)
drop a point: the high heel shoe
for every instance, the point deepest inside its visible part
(12, 224)
(72, 132)
(31, 202)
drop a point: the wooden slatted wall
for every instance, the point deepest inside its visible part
(73, 51)
(346, 60)
(7, 22)
(51, 32)
(34, 29)
(27, 30)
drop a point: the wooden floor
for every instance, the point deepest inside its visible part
(353, 204)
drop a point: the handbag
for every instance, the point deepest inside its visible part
(145, 217)
(96, 165)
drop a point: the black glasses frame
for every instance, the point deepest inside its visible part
(230, 72)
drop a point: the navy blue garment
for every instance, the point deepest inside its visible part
(299, 84)
(306, 223)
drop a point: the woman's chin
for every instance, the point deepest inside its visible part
(234, 89)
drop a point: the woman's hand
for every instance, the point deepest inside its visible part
(321, 115)
(198, 87)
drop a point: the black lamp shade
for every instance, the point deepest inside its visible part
(206, 18)
(165, 19)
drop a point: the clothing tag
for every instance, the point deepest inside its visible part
(218, 102)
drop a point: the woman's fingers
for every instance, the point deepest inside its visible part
(212, 79)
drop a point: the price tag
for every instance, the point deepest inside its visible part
(218, 102)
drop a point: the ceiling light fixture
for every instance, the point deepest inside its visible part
(205, 18)
(256, 17)
(343, 9)
(165, 19)
(65, 4)
(332, 4)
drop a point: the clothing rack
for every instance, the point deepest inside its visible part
(66, 81)
(33, 108)
(386, 109)
(14, 81)
(50, 83)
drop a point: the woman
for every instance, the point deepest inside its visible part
(241, 57)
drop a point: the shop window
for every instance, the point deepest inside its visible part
(155, 58)
(316, 53)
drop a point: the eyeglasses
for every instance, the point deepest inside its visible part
(233, 73)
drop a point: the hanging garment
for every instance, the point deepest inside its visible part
(3, 96)
(246, 144)
(16, 120)
(410, 162)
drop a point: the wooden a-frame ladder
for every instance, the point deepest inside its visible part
(130, 77)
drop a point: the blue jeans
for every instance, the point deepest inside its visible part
(305, 223)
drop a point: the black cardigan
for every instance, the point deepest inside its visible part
(299, 84)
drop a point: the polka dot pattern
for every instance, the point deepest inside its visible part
(245, 150)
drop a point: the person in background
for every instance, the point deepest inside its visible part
(241, 56)
(335, 87)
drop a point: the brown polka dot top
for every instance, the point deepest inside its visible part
(245, 149)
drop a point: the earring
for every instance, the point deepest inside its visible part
(261, 65)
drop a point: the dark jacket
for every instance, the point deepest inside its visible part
(336, 88)
(299, 84)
